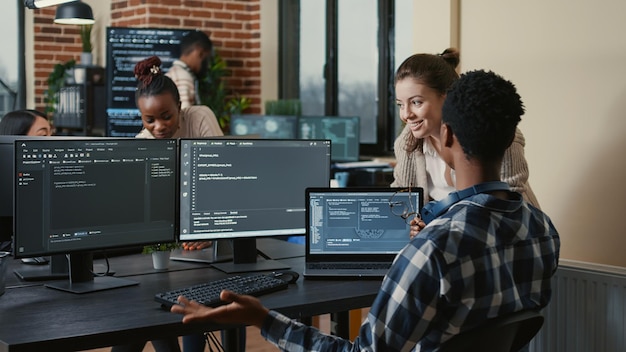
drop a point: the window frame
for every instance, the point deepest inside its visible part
(21, 61)
(289, 55)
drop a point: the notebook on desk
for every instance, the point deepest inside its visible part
(354, 232)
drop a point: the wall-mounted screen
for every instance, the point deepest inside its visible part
(126, 47)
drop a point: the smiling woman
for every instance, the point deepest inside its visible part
(159, 103)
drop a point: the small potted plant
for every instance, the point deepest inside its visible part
(61, 73)
(86, 58)
(160, 254)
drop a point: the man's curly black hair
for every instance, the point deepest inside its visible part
(483, 110)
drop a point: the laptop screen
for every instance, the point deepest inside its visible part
(352, 221)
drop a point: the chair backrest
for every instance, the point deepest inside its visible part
(502, 334)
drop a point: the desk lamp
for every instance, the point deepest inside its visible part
(76, 12)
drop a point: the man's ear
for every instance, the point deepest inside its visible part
(447, 135)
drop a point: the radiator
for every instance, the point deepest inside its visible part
(587, 312)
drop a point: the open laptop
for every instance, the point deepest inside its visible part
(354, 232)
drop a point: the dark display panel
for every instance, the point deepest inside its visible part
(126, 47)
(265, 126)
(247, 188)
(78, 196)
(343, 132)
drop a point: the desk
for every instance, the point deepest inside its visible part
(36, 318)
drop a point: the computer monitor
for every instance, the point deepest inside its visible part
(57, 268)
(242, 189)
(75, 197)
(264, 126)
(343, 132)
(6, 188)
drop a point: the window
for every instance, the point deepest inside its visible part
(344, 54)
(11, 62)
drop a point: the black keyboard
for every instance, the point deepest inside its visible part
(209, 293)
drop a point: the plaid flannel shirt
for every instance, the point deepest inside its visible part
(485, 257)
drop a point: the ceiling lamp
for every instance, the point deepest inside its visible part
(76, 12)
(37, 4)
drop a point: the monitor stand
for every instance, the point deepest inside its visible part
(82, 279)
(220, 251)
(57, 269)
(245, 259)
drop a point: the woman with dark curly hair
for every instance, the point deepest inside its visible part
(158, 101)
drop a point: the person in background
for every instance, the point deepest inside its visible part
(421, 82)
(439, 286)
(158, 101)
(25, 123)
(161, 113)
(195, 48)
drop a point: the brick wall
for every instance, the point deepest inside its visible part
(233, 26)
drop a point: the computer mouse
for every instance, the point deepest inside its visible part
(35, 260)
(287, 275)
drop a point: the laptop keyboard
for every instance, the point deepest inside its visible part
(209, 293)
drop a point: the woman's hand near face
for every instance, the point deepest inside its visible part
(417, 224)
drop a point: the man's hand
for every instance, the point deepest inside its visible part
(241, 309)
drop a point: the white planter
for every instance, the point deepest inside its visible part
(86, 59)
(161, 260)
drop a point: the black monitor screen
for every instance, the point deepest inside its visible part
(265, 126)
(248, 188)
(7, 163)
(343, 131)
(6, 190)
(78, 195)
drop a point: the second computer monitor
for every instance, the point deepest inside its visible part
(264, 126)
(247, 188)
(342, 131)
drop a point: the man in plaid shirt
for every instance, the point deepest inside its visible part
(486, 254)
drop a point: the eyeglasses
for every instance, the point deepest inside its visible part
(404, 209)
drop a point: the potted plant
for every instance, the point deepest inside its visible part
(56, 80)
(160, 254)
(85, 37)
(213, 94)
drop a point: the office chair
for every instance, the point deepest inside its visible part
(502, 334)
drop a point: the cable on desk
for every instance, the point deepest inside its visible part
(106, 260)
